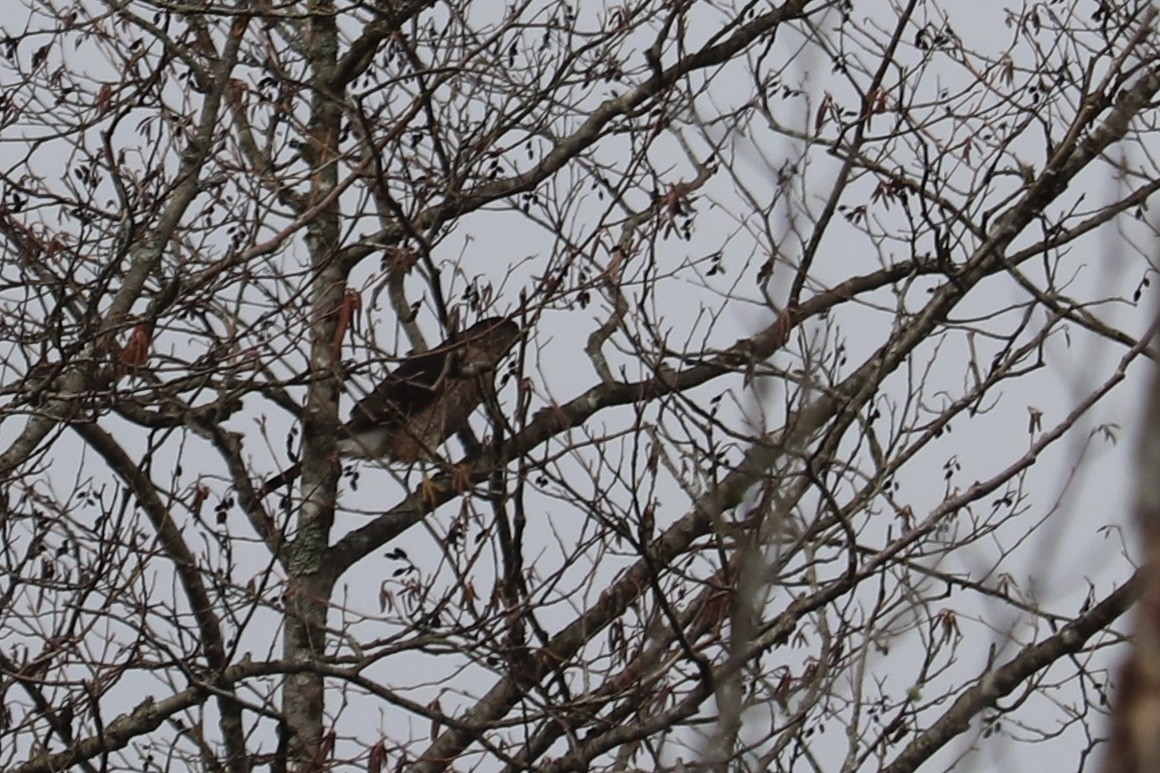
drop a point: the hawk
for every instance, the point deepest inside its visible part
(423, 401)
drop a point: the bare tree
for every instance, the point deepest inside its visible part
(805, 310)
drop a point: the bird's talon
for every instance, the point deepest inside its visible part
(461, 478)
(429, 490)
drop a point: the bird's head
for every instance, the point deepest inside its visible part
(481, 346)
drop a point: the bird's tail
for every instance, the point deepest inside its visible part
(284, 478)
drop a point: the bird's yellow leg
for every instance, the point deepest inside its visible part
(461, 478)
(429, 490)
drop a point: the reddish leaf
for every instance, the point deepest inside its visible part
(104, 99)
(136, 352)
(200, 494)
(377, 759)
(351, 306)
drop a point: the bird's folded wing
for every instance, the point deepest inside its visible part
(409, 389)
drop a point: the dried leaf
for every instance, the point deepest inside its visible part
(765, 272)
(104, 99)
(377, 758)
(351, 306)
(136, 352)
(200, 494)
(436, 708)
(823, 111)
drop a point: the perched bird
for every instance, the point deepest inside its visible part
(424, 401)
